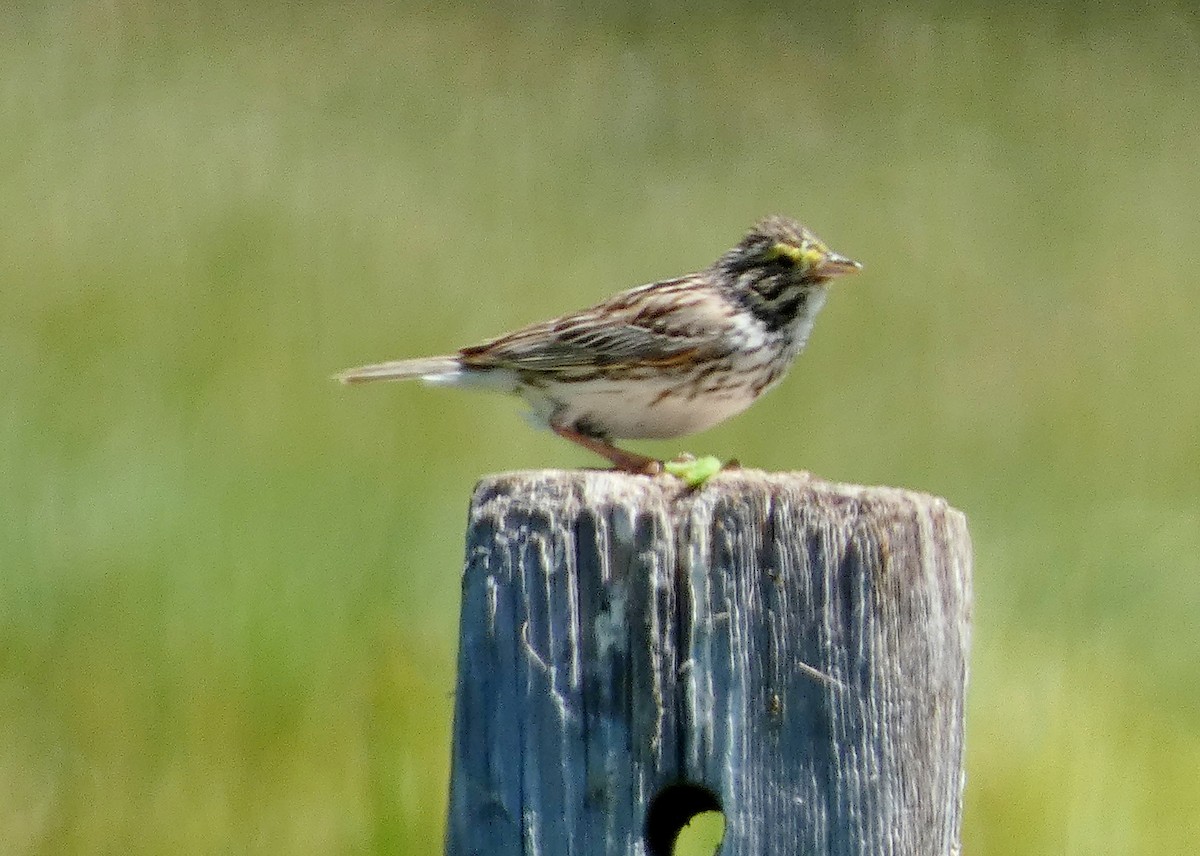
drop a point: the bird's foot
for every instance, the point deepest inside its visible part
(628, 462)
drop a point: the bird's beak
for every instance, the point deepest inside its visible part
(836, 265)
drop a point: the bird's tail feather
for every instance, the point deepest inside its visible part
(425, 368)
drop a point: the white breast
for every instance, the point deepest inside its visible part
(641, 410)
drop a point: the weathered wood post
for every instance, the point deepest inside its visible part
(632, 652)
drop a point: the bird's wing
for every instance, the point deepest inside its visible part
(655, 326)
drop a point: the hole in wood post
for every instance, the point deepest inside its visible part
(672, 809)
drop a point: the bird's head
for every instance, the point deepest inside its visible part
(778, 265)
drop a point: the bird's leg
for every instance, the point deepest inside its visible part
(630, 462)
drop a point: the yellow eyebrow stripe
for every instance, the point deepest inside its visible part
(806, 255)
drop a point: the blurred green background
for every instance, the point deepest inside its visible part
(228, 599)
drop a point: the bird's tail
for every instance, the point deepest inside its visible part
(433, 369)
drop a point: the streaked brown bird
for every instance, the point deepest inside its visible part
(661, 360)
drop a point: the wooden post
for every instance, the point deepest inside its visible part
(788, 651)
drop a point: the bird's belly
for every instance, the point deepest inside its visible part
(641, 411)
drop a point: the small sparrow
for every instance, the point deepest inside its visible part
(660, 360)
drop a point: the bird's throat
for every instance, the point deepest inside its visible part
(790, 307)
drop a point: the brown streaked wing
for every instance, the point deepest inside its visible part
(663, 324)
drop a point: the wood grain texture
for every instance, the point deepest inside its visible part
(791, 650)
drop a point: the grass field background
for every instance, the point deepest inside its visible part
(228, 593)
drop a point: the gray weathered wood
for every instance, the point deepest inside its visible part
(793, 651)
